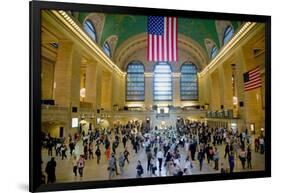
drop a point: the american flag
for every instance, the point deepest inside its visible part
(162, 36)
(252, 79)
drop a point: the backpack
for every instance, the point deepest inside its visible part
(126, 153)
(81, 163)
(98, 152)
(200, 156)
(140, 170)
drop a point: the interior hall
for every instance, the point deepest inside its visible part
(111, 82)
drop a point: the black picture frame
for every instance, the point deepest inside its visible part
(35, 96)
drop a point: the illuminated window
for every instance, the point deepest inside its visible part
(188, 82)
(214, 52)
(90, 29)
(228, 33)
(106, 49)
(135, 81)
(162, 82)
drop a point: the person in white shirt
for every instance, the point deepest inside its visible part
(177, 162)
(261, 145)
(74, 163)
(187, 166)
(160, 156)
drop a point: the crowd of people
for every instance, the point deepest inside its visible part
(174, 150)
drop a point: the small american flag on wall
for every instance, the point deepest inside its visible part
(252, 79)
(162, 44)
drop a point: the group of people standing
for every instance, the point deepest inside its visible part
(176, 149)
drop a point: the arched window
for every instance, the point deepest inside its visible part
(90, 29)
(228, 33)
(162, 82)
(188, 82)
(214, 52)
(106, 49)
(135, 81)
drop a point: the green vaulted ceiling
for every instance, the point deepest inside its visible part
(126, 26)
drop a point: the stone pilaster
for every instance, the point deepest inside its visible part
(91, 83)
(176, 90)
(67, 75)
(148, 90)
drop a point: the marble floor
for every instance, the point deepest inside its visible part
(95, 172)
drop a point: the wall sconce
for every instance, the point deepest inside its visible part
(252, 128)
(83, 93)
(235, 101)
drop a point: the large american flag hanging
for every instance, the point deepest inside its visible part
(162, 44)
(252, 79)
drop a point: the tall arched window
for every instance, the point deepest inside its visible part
(90, 29)
(228, 33)
(214, 52)
(106, 49)
(162, 82)
(135, 81)
(189, 83)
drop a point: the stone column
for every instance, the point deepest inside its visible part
(252, 99)
(176, 89)
(215, 94)
(98, 86)
(226, 86)
(67, 81)
(206, 89)
(91, 83)
(67, 75)
(221, 89)
(47, 78)
(118, 90)
(106, 92)
(148, 90)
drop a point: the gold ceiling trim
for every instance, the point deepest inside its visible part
(76, 29)
(244, 30)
